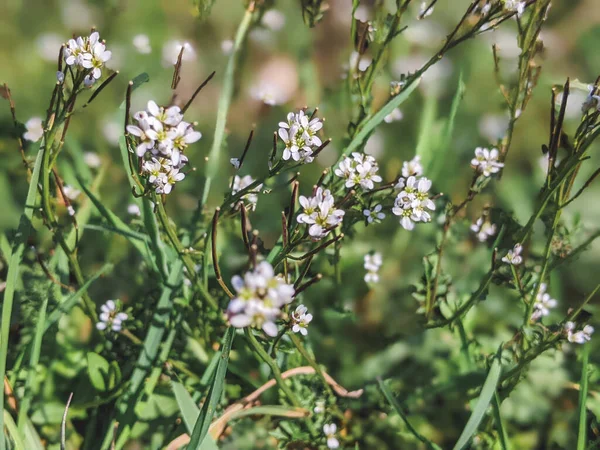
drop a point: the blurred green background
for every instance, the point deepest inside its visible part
(357, 333)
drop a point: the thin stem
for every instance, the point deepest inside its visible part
(215, 257)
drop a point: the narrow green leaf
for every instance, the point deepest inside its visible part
(187, 406)
(378, 117)
(583, 391)
(485, 397)
(13, 432)
(504, 441)
(214, 394)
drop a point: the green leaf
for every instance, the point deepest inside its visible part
(214, 394)
(12, 431)
(485, 397)
(187, 406)
(104, 376)
(583, 391)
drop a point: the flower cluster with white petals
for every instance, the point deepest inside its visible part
(110, 318)
(578, 337)
(373, 263)
(330, 429)
(87, 53)
(412, 167)
(300, 320)
(360, 170)
(513, 257)
(483, 229)
(299, 134)
(486, 161)
(240, 183)
(320, 213)
(413, 203)
(543, 303)
(260, 296)
(162, 136)
(515, 6)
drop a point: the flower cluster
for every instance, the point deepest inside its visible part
(300, 320)
(240, 183)
(513, 257)
(260, 296)
(578, 337)
(110, 318)
(88, 54)
(483, 229)
(299, 134)
(543, 303)
(372, 264)
(320, 213)
(413, 202)
(486, 161)
(360, 170)
(162, 135)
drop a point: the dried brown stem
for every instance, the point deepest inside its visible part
(215, 258)
(197, 91)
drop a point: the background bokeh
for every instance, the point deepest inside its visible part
(358, 333)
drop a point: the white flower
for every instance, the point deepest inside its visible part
(235, 162)
(110, 318)
(486, 161)
(591, 101)
(144, 132)
(269, 93)
(543, 303)
(413, 203)
(412, 167)
(34, 128)
(133, 209)
(515, 5)
(394, 116)
(320, 213)
(169, 179)
(300, 320)
(95, 59)
(240, 183)
(319, 407)
(260, 295)
(273, 20)
(483, 229)
(329, 429)
(141, 42)
(299, 134)
(374, 215)
(227, 46)
(170, 116)
(60, 76)
(180, 137)
(423, 11)
(171, 49)
(360, 170)
(578, 337)
(92, 160)
(513, 257)
(70, 192)
(372, 264)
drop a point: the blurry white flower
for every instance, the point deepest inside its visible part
(133, 209)
(141, 42)
(171, 49)
(320, 213)
(48, 45)
(260, 295)
(240, 183)
(329, 429)
(361, 62)
(235, 162)
(267, 93)
(394, 116)
(362, 13)
(486, 161)
(374, 215)
(273, 20)
(578, 337)
(544, 161)
(483, 229)
(592, 100)
(543, 303)
(424, 11)
(60, 76)
(319, 407)
(493, 126)
(486, 9)
(112, 130)
(515, 5)
(413, 203)
(299, 134)
(92, 160)
(412, 167)
(110, 318)
(513, 257)
(70, 192)
(34, 128)
(360, 170)
(372, 263)
(276, 82)
(227, 46)
(300, 320)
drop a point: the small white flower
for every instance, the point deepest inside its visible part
(273, 20)
(360, 170)
(329, 429)
(423, 11)
(320, 213)
(483, 229)
(515, 5)
(412, 167)
(372, 264)
(543, 303)
(513, 257)
(133, 209)
(60, 76)
(486, 161)
(141, 42)
(374, 215)
(235, 162)
(92, 160)
(299, 134)
(171, 49)
(34, 128)
(70, 192)
(95, 59)
(240, 183)
(300, 320)
(227, 46)
(578, 337)
(592, 100)
(319, 407)
(413, 203)
(110, 318)
(394, 116)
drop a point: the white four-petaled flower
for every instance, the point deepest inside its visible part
(578, 337)
(300, 320)
(299, 134)
(320, 213)
(483, 229)
(372, 264)
(543, 303)
(87, 53)
(486, 161)
(34, 128)
(329, 429)
(110, 318)
(360, 170)
(412, 167)
(413, 203)
(513, 257)
(374, 215)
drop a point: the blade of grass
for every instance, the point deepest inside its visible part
(485, 397)
(504, 441)
(13, 271)
(392, 401)
(187, 406)
(214, 394)
(13, 432)
(583, 391)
